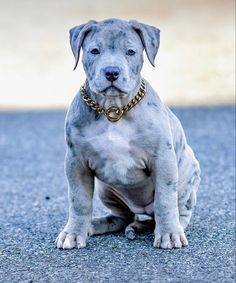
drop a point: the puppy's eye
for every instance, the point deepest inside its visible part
(95, 51)
(130, 52)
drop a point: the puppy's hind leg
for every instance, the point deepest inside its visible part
(187, 200)
(107, 224)
(119, 218)
(139, 225)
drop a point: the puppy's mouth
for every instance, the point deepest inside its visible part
(113, 91)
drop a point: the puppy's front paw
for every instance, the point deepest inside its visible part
(174, 238)
(69, 240)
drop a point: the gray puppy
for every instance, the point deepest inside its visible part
(122, 139)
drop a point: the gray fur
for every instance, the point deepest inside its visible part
(140, 165)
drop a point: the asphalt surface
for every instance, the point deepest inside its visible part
(33, 209)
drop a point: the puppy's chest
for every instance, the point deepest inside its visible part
(117, 158)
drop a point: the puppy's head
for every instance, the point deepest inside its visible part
(113, 53)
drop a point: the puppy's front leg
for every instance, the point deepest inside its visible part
(168, 232)
(80, 186)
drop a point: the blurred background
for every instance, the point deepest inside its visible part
(195, 64)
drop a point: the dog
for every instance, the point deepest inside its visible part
(124, 141)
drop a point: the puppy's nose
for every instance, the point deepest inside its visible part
(112, 73)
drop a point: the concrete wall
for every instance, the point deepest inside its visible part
(195, 64)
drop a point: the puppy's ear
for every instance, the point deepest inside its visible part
(150, 37)
(77, 36)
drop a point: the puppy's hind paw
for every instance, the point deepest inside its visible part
(130, 233)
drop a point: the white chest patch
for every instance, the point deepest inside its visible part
(115, 137)
(115, 159)
(116, 149)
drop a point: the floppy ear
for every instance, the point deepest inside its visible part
(150, 37)
(77, 36)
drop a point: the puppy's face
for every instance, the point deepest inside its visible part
(112, 59)
(113, 54)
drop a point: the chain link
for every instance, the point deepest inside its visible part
(114, 113)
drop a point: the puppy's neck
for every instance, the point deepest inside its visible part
(108, 101)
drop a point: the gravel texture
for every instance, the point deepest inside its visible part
(33, 209)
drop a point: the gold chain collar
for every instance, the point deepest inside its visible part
(114, 113)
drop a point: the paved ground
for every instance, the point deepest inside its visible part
(33, 208)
